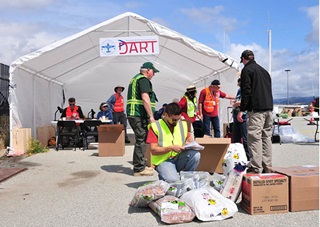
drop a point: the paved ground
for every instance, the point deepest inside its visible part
(78, 188)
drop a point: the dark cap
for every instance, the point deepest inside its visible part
(216, 83)
(115, 89)
(164, 104)
(245, 54)
(149, 65)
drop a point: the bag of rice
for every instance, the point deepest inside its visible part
(172, 210)
(209, 205)
(149, 192)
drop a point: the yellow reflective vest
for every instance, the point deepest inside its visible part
(167, 138)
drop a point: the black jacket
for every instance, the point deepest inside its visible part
(256, 88)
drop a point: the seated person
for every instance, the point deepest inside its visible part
(72, 112)
(166, 138)
(105, 111)
(159, 113)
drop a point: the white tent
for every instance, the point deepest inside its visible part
(72, 67)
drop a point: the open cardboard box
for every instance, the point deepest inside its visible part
(211, 157)
(111, 140)
(213, 153)
(303, 186)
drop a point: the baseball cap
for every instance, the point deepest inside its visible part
(216, 83)
(149, 65)
(245, 54)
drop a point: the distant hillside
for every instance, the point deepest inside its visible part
(294, 100)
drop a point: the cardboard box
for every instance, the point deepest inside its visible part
(211, 157)
(111, 140)
(44, 133)
(213, 153)
(20, 140)
(303, 187)
(265, 193)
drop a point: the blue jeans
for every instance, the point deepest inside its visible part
(187, 160)
(239, 133)
(215, 123)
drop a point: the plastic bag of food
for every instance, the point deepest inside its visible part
(200, 179)
(149, 192)
(209, 205)
(172, 210)
(217, 181)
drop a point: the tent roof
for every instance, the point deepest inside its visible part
(74, 64)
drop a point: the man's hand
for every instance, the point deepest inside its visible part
(151, 119)
(177, 148)
(239, 117)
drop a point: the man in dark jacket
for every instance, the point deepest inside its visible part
(257, 99)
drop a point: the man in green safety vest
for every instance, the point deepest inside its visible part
(141, 105)
(166, 138)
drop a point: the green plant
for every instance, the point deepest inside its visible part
(35, 147)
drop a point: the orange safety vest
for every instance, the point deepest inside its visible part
(118, 105)
(211, 100)
(73, 114)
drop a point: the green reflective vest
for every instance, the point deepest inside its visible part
(191, 106)
(166, 138)
(134, 100)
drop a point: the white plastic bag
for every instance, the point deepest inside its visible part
(200, 178)
(209, 205)
(234, 155)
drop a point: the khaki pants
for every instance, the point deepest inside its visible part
(259, 127)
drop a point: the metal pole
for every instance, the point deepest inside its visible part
(287, 70)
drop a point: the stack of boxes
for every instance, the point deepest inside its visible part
(286, 189)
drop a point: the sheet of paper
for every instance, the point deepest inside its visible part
(194, 145)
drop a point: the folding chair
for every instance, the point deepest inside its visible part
(89, 129)
(69, 131)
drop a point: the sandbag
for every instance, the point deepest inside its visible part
(172, 210)
(209, 205)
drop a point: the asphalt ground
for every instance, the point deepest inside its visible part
(78, 188)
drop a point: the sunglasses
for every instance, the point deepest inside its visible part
(174, 119)
(71, 104)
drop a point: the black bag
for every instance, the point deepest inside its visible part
(198, 129)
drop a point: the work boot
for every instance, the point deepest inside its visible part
(145, 172)
(149, 168)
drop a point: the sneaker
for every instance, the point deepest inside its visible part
(127, 141)
(145, 172)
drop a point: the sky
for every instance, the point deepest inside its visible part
(227, 26)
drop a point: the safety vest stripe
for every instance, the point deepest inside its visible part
(160, 136)
(182, 132)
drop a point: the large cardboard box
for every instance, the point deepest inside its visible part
(303, 187)
(213, 153)
(111, 140)
(265, 193)
(44, 133)
(211, 157)
(20, 140)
